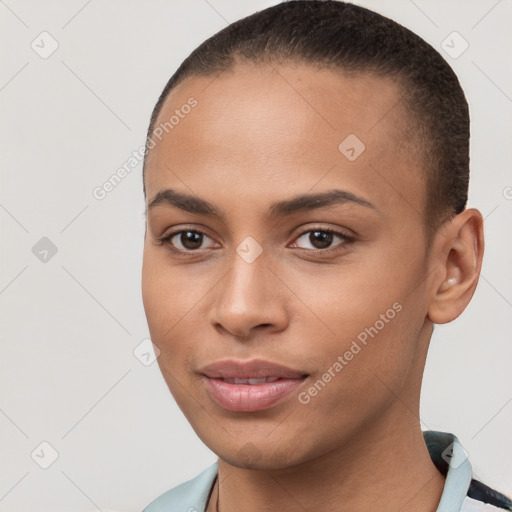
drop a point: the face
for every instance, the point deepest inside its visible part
(274, 237)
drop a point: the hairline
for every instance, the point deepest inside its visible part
(410, 123)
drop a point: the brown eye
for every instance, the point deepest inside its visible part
(322, 240)
(185, 241)
(190, 240)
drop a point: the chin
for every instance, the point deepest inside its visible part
(250, 456)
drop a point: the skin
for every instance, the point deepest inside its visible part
(261, 134)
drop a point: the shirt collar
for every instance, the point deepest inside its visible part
(452, 460)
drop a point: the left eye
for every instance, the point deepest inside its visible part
(322, 239)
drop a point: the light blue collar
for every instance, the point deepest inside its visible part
(190, 496)
(458, 477)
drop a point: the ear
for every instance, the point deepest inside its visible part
(458, 250)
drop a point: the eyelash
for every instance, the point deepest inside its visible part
(346, 240)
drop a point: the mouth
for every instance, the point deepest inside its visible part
(251, 386)
(252, 382)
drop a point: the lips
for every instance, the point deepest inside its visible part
(255, 369)
(248, 386)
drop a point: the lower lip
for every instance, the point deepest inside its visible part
(250, 397)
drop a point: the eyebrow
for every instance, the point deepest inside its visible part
(301, 203)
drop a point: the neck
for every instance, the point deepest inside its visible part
(391, 472)
(386, 467)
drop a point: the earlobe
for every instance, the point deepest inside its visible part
(460, 246)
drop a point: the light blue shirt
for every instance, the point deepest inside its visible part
(192, 496)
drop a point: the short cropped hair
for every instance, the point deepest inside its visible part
(345, 37)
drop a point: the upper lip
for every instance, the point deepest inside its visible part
(256, 368)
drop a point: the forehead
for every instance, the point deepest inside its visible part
(266, 130)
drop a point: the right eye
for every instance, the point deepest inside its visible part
(184, 240)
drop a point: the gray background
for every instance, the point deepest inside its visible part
(70, 321)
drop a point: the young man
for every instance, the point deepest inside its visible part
(306, 184)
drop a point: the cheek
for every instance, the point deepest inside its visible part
(167, 301)
(164, 306)
(169, 293)
(174, 299)
(367, 325)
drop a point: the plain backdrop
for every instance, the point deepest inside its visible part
(71, 309)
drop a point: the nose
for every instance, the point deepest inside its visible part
(249, 298)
